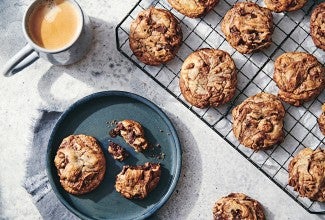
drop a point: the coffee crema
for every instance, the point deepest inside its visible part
(53, 24)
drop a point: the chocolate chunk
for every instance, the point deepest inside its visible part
(118, 152)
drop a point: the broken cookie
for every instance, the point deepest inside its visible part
(136, 182)
(132, 132)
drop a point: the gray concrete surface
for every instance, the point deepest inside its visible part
(211, 168)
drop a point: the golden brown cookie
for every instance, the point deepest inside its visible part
(155, 36)
(208, 78)
(284, 5)
(117, 152)
(80, 163)
(238, 206)
(136, 182)
(258, 121)
(133, 134)
(299, 76)
(321, 120)
(317, 26)
(248, 27)
(306, 174)
(193, 8)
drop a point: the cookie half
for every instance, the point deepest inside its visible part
(284, 5)
(306, 174)
(136, 182)
(258, 121)
(248, 27)
(317, 26)
(208, 78)
(299, 76)
(155, 36)
(133, 134)
(193, 8)
(80, 163)
(238, 206)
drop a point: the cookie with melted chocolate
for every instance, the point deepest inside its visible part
(80, 163)
(133, 134)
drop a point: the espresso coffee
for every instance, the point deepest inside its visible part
(54, 24)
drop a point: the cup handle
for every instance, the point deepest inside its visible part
(22, 59)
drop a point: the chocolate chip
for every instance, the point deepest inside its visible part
(161, 29)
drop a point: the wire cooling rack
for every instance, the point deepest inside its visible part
(255, 72)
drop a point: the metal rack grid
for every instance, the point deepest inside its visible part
(255, 73)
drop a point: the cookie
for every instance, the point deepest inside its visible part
(284, 5)
(80, 163)
(306, 174)
(321, 120)
(155, 36)
(299, 76)
(136, 182)
(238, 206)
(133, 134)
(317, 26)
(248, 27)
(193, 8)
(258, 121)
(118, 152)
(208, 78)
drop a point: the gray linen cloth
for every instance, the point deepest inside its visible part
(36, 182)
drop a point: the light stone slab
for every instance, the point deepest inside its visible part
(211, 167)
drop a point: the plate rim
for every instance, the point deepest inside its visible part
(136, 97)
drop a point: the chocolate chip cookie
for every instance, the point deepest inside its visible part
(118, 152)
(299, 76)
(155, 36)
(321, 120)
(258, 121)
(136, 182)
(317, 26)
(238, 206)
(208, 78)
(193, 8)
(248, 27)
(284, 5)
(80, 163)
(306, 174)
(133, 134)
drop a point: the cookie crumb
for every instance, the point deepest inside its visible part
(161, 156)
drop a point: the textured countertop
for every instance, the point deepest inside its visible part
(211, 167)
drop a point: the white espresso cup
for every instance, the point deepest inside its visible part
(63, 36)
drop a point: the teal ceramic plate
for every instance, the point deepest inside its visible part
(92, 116)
